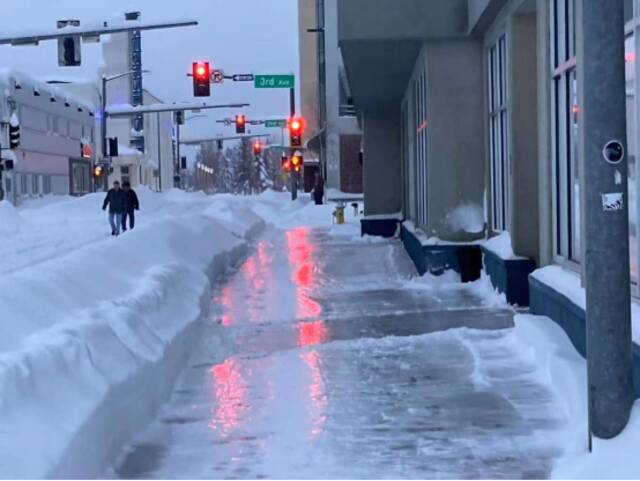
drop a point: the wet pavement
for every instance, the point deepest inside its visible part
(323, 360)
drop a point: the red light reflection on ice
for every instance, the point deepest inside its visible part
(301, 250)
(230, 391)
(317, 391)
(312, 333)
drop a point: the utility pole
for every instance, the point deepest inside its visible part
(601, 80)
(177, 166)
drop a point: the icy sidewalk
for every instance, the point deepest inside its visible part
(324, 360)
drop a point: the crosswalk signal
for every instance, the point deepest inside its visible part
(296, 126)
(297, 161)
(98, 171)
(201, 79)
(241, 124)
(14, 132)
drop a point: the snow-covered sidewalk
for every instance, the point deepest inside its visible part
(94, 329)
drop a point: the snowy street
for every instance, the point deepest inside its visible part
(324, 357)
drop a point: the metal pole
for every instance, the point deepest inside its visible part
(159, 156)
(178, 160)
(606, 248)
(294, 174)
(103, 119)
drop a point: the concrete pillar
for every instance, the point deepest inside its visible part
(382, 190)
(601, 77)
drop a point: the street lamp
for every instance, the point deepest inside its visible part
(103, 118)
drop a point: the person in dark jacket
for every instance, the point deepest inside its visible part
(116, 201)
(131, 205)
(318, 189)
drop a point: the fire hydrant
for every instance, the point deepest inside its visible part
(338, 214)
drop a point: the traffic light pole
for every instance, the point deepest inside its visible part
(294, 173)
(177, 164)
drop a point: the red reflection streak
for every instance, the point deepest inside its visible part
(312, 333)
(227, 304)
(230, 391)
(317, 391)
(301, 252)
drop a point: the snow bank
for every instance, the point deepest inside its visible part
(568, 284)
(95, 329)
(9, 219)
(501, 246)
(565, 371)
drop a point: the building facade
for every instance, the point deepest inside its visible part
(333, 133)
(57, 139)
(476, 120)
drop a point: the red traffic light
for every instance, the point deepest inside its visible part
(201, 79)
(296, 126)
(257, 148)
(241, 123)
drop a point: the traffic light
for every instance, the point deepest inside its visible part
(69, 53)
(179, 117)
(241, 124)
(296, 126)
(286, 165)
(297, 161)
(220, 145)
(14, 132)
(257, 148)
(201, 79)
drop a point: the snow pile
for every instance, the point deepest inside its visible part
(9, 219)
(564, 370)
(467, 218)
(501, 246)
(96, 328)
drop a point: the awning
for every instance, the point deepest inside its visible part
(316, 143)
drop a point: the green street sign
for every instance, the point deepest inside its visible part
(275, 81)
(271, 124)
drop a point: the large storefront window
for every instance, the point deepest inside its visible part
(566, 116)
(420, 89)
(630, 60)
(498, 137)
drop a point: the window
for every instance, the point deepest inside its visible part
(35, 184)
(23, 184)
(565, 119)
(498, 134)
(420, 88)
(46, 184)
(632, 143)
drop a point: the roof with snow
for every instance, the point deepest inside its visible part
(9, 77)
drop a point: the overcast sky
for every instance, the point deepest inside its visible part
(240, 36)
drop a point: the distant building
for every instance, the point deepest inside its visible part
(333, 133)
(153, 167)
(57, 138)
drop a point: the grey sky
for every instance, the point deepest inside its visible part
(252, 36)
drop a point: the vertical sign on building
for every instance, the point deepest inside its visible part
(137, 122)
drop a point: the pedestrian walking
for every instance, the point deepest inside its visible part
(318, 189)
(131, 205)
(116, 201)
